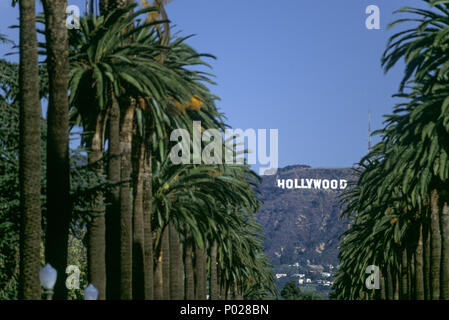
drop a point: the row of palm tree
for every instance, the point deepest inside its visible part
(157, 230)
(399, 204)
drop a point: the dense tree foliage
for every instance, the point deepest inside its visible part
(399, 205)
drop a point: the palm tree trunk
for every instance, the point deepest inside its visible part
(148, 236)
(181, 274)
(138, 221)
(126, 135)
(189, 280)
(426, 258)
(404, 276)
(96, 253)
(220, 289)
(158, 278)
(58, 176)
(175, 264)
(435, 238)
(29, 156)
(396, 285)
(444, 224)
(382, 295)
(213, 284)
(411, 274)
(200, 274)
(113, 210)
(237, 293)
(165, 250)
(419, 272)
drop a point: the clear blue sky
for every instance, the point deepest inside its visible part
(308, 68)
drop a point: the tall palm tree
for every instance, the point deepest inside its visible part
(424, 50)
(58, 176)
(107, 64)
(30, 155)
(412, 172)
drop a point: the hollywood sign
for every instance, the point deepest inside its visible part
(312, 184)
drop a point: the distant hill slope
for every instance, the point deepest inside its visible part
(302, 224)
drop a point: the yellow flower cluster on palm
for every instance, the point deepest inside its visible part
(214, 174)
(194, 104)
(154, 15)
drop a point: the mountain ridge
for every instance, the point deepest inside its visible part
(302, 225)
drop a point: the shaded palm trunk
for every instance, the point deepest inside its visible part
(419, 270)
(126, 135)
(426, 257)
(200, 274)
(190, 278)
(238, 295)
(435, 246)
(176, 265)
(220, 288)
(29, 156)
(113, 210)
(181, 274)
(96, 251)
(411, 274)
(165, 251)
(214, 289)
(148, 235)
(444, 225)
(390, 284)
(396, 286)
(404, 276)
(58, 173)
(138, 221)
(382, 294)
(158, 277)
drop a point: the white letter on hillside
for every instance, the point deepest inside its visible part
(281, 183)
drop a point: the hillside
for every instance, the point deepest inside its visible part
(302, 225)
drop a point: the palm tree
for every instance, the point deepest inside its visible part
(424, 49)
(409, 175)
(109, 77)
(58, 176)
(30, 155)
